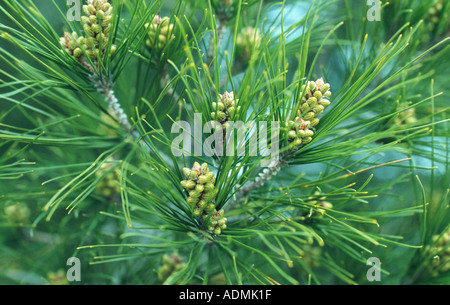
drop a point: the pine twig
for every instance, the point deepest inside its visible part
(105, 88)
(260, 180)
(266, 174)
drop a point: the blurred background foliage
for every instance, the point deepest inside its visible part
(34, 251)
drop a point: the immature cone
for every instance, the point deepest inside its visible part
(441, 251)
(320, 203)
(299, 132)
(310, 256)
(200, 184)
(109, 185)
(218, 279)
(314, 101)
(217, 222)
(17, 213)
(246, 41)
(72, 44)
(408, 116)
(226, 109)
(57, 278)
(433, 17)
(96, 26)
(171, 264)
(160, 32)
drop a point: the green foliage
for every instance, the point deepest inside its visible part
(87, 167)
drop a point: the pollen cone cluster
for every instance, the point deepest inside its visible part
(440, 249)
(200, 184)
(299, 132)
(320, 202)
(72, 44)
(17, 213)
(408, 116)
(159, 32)
(96, 26)
(57, 277)
(109, 185)
(247, 40)
(314, 101)
(225, 109)
(171, 264)
(435, 15)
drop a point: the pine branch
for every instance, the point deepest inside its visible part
(105, 88)
(267, 173)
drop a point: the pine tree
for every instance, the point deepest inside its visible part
(224, 142)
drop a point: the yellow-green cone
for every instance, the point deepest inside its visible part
(17, 213)
(314, 101)
(72, 44)
(217, 222)
(247, 40)
(96, 26)
(320, 203)
(440, 251)
(170, 265)
(408, 116)
(226, 109)
(57, 278)
(432, 18)
(299, 132)
(110, 184)
(159, 32)
(200, 185)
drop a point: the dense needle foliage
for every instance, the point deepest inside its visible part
(90, 108)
